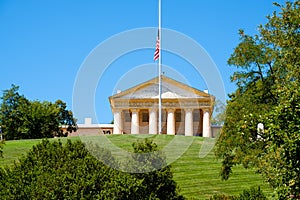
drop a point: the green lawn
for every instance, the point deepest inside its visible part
(197, 177)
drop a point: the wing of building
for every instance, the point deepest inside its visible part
(185, 110)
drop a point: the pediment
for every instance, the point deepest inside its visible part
(171, 89)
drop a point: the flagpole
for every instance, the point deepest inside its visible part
(159, 69)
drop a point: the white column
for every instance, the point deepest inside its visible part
(117, 121)
(171, 122)
(153, 121)
(135, 121)
(188, 126)
(206, 124)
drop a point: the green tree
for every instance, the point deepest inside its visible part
(157, 182)
(65, 118)
(23, 119)
(11, 112)
(268, 80)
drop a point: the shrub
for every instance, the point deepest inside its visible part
(249, 194)
(252, 194)
(158, 182)
(51, 170)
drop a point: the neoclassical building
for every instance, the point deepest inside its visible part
(185, 110)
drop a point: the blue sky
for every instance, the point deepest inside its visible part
(44, 44)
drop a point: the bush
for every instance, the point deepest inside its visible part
(51, 170)
(250, 194)
(158, 181)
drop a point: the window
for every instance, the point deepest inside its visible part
(163, 116)
(127, 116)
(178, 116)
(196, 116)
(145, 117)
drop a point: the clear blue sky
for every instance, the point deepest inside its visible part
(44, 43)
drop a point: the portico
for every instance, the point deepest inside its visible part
(185, 110)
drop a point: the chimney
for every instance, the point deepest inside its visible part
(87, 120)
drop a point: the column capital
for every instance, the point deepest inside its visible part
(206, 109)
(153, 109)
(116, 110)
(134, 109)
(171, 110)
(188, 109)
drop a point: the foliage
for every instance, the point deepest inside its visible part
(52, 170)
(238, 141)
(268, 92)
(281, 161)
(197, 178)
(24, 119)
(158, 183)
(254, 193)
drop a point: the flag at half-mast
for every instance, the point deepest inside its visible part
(156, 53)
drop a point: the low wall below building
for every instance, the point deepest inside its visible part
(92, 129)
(215, 130)
(106, 130)
(88, 129)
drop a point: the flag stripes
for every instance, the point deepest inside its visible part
(156, 53)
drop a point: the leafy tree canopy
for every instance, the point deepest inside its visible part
(267, 79)
(23, 119)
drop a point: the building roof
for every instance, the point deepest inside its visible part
(171, 89)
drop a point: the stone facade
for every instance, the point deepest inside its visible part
(88, 128)
(185, 110)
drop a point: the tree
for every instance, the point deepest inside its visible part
(267, 92)
(11, 112)
(23, 119)
(65, 118)
(158, 181)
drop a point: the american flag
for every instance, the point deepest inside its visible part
(156, 53)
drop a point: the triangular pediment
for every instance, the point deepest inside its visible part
(171, 89)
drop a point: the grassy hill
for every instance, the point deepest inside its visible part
(197, 176)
